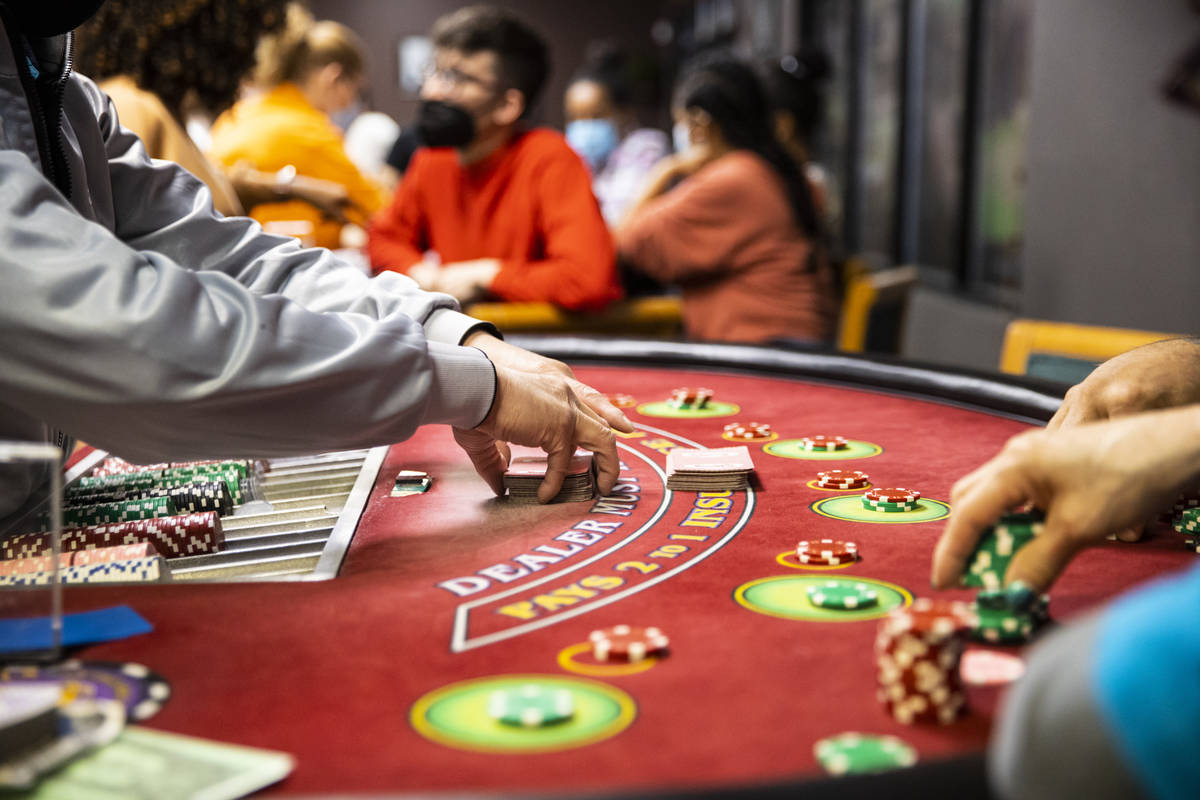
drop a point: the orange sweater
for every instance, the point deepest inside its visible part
(529, 204)
(279, 128)
(727, 236)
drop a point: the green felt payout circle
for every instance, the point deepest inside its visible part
(850, 508)
(665, 409)
(458, 715)
(792, 448)
(787, 596)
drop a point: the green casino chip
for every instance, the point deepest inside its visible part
(1003, 626)
(879, 505)
(841, 594)
(853, 753)
(531, 706)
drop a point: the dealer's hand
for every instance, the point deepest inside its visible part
(1091, 480)
(539, 409)
(1160, 375)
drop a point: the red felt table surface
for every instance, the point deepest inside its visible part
(329, 671)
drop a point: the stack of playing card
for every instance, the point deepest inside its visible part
(528, 467)
(709, 470)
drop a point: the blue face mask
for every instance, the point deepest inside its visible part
(680, 137)
(594, 140)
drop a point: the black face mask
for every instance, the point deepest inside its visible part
(50, 18)
(442, 124)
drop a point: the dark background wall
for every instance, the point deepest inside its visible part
(568, 27)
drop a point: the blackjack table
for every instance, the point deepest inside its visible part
(378, 679)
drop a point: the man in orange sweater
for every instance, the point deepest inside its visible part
(489, 208)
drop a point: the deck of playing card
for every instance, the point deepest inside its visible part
(528, 467)
(709, 470)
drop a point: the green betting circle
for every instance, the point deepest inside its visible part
(792, 448)
(786, 596)
(850, 508)
(665, 409)
(457, 715)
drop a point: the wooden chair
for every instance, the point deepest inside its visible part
(654, 317)
(873, 309)
(1065, 352)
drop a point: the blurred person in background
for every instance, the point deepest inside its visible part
(795, 85)
(602, 127)
(730, 219)
(491, 208)
(307, 73)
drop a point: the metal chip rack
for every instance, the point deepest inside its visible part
(298, 529)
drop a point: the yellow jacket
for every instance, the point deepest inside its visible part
(282, 128)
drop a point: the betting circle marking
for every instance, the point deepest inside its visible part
(786, 597)
(792, 448)
(849, 507)
(664, 409)
(457, 715)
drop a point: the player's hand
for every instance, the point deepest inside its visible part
(425, 274)
(1091, 480)
(467, 281)
(503, 353)
(1160, 375)
(540, 410)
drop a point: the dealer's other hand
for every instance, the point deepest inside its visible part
(1091, 480)
(539, 403)
(1164, 374)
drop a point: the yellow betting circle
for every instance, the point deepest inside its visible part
(929, 510)
(419, 715)
(814, 485)
(566, 660)
(814, 614)
(782, 559)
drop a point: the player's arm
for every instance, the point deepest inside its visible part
(578, 269)
(1091, 480)
(1163, 374)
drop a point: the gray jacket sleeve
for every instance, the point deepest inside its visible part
(169, 332)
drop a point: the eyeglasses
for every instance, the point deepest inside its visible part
(455, 78)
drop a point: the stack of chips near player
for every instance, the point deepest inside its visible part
(690, 398)
(891, 500)
(998, 620)
(528, 467)
(750, 431)
(1188, 523)
(825, 443)
(917, 653)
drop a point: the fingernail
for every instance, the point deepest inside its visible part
(1020, 596)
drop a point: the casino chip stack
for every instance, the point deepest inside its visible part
(826, 552)
(842, 479)
(1188, 523)
(997, 546)
(528, 467)
(917, 652)
(690, 398)
(891, 500)
(709, 470)
(531, 706)
(855, 753)
(997, 622)
(824, 443)
(750, 431)
(627, 643)
(842, 595)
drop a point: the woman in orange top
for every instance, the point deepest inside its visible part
(739, 233)
(288, 131)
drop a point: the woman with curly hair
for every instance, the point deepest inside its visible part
(160, 60)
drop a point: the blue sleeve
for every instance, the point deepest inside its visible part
(1146, 680)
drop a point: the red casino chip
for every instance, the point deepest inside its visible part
(824, 442)
(622, 400)
(627, 643)
(826, 552)
(842, 479)
(893, 495)
(749, 431)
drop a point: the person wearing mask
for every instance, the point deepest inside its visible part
(489, 207)
(310, 73)
(141, 320)
(602, 128)
(730, 219)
